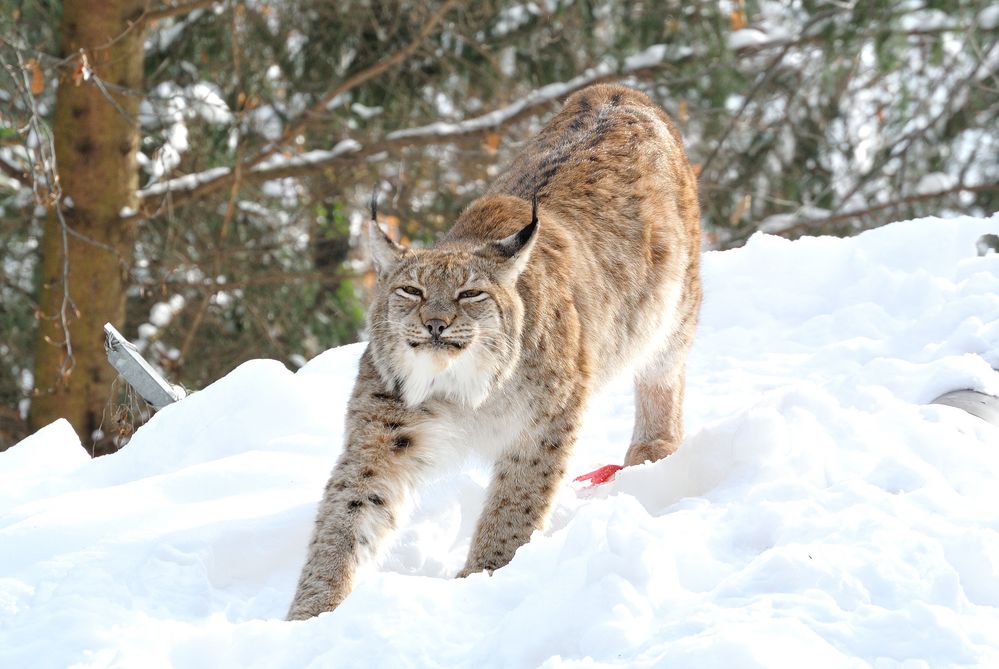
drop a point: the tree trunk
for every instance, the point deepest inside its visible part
(96, 143)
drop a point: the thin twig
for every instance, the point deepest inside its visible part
(199, 316)
(49, 196)
(353, 82)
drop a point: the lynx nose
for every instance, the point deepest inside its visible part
(435, 327)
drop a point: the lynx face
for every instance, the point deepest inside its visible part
(446, 322)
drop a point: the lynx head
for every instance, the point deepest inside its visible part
(446, 322)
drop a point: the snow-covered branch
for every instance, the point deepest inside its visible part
(186, 183)
(790, 224)
(273, 165)
(348, 151)
(167, 11)
(649, 58)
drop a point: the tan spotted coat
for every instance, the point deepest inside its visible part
(494, 339)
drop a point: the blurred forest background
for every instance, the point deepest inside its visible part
(196, 171)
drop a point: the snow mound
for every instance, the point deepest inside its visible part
(820, 512)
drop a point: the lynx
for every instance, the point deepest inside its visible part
(581, 259)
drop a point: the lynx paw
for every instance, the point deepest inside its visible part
(648, 451)
(488, 568)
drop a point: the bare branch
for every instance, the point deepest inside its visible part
(281, 278)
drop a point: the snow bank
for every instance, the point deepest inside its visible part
(819, 514)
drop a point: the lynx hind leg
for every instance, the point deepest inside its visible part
(658, 407)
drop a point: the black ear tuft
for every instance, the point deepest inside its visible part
(515, 243)
(384, 252)
(525, 234)
(374, 204)
(513, 252)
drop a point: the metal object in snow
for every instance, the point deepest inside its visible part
(139, 374)
(974, 402)
(987, 243)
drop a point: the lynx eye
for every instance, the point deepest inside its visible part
(409, 292)
(471, 295)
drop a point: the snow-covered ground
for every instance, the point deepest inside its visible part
(819, 514)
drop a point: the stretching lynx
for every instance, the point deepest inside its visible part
(494, 339)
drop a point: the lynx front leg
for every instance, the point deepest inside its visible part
(363, 497)
(354, 516)
(520, 495)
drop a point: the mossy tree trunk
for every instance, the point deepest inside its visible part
(96, 142)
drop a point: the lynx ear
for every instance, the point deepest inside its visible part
(384, 252)
(514, 251)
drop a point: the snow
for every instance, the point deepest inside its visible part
(514, 17)
(167, 32)
(747, 37)
(206, 101)
(988, 18)
(935, 182)
(266, 122)
(172, 106)
(186, 182)
(927, 19)
(278, 161)
(820, 513)
(655, 55)
(780, 223)
(366, 112)
(161, 313)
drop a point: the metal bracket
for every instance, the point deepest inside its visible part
(139, 374)
(974, 402)
(987, 243)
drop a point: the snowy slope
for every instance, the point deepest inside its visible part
(819, 514)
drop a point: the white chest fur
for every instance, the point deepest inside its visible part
(465, 378)
(458, 432)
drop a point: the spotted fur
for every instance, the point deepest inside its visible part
(529, 321)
